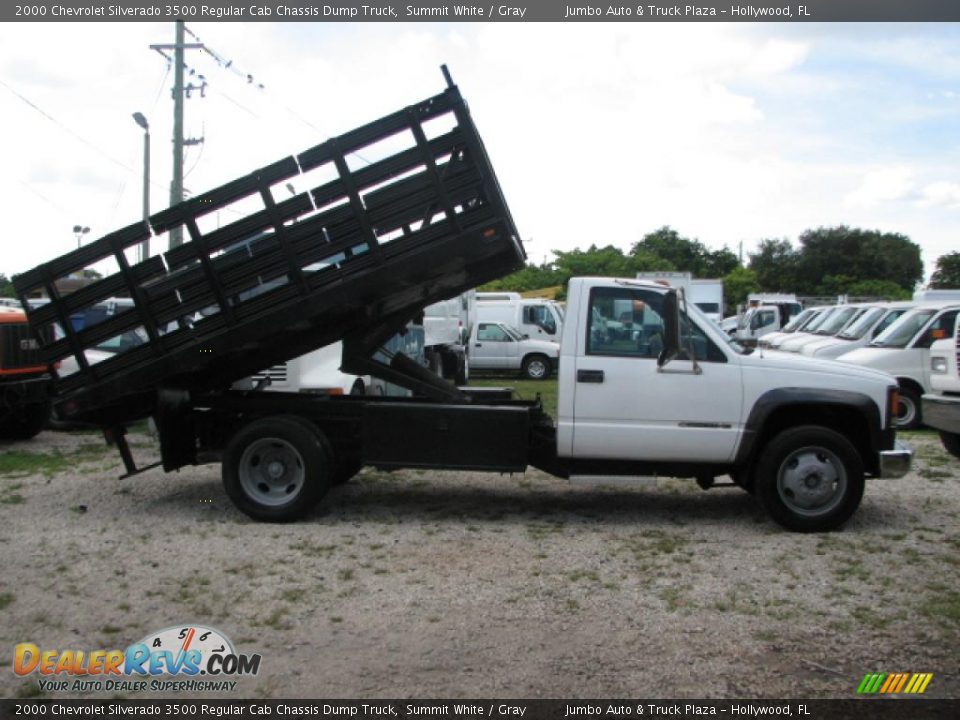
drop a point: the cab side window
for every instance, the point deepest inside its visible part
(939, 329)
(491, 333)
(628, 322)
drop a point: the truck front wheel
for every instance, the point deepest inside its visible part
(809, 479)
(277, 468)
(908, 413)
(536, 367)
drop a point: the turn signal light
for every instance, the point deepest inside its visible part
(893, 405)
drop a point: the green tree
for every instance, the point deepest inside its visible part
(6, 287)
(738, 284)
(858, 255)
(885, 289)
(776, 265)
(685, 255)
(947, 274)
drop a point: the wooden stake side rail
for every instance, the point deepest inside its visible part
(360, 255)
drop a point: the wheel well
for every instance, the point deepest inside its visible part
(847, 421)
(534, 354)
(911, 384)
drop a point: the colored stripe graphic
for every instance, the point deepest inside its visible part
(870, 683)
(894, 683)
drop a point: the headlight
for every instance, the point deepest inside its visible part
(938, 365)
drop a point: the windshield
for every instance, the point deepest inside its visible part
(903, 330)
(512, 332)
(859, 327)
(817, 322)
(837, 320)
(798, 321)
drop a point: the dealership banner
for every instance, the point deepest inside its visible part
(498, 709)
(482, 11)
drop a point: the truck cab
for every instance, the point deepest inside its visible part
(536, 317)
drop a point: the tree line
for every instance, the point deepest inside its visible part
(826, 261)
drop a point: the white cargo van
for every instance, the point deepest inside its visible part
(903, 351)
(536, 317)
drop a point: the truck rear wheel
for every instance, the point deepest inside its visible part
(463, 370)
(809, 479)
(277, 468)
(536, 367)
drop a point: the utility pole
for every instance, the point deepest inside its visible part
(176, 183)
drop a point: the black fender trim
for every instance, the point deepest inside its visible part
(776, 399)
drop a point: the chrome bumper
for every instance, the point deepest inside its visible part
(896, 463)
(942, 412)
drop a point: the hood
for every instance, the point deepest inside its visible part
(774, 360)
(878, 357)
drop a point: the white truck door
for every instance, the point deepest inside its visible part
(625, 409)
(492, 348)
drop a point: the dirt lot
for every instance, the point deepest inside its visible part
(463, 585)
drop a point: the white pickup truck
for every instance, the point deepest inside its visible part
(500, 347)
(941, 406)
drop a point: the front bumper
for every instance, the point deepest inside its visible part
(896, 463)
(942, 412)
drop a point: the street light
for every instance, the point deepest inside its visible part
(80, 231)
(141, 120)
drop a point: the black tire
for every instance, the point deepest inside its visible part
(536, 367)
(809, 479)
(25, 422)
(951, 443)
(277, 468)
(909, 416)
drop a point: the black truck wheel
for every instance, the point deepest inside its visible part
(536, 367)
(809, 479)
(277, 468)
(951, 443)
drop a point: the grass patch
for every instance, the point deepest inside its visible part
(525, 389)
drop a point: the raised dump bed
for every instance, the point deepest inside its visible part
(347, 240)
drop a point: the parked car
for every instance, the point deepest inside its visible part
(941, 407)
(499, 347)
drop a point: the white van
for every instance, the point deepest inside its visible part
(903, 350)
(540, 319)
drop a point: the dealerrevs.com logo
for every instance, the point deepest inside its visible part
(183, 658)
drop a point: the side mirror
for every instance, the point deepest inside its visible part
(671, 329)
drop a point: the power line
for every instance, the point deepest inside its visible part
(66, 129)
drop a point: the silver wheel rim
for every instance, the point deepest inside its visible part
(812, 481)
(271, 472)
(908, 412)
(536, 369)
(466, 369)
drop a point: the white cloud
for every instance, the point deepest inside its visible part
(941, 194)
(882, 186)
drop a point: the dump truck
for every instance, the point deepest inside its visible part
(354, 258)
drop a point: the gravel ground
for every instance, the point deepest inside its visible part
(439, 584)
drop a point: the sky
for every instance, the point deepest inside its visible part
(600, 133)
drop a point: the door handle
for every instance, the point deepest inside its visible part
(590, 376)
(479, 345)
